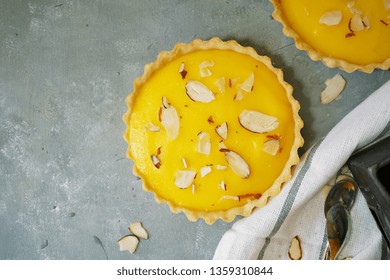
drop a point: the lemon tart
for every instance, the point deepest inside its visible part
(351, 35)
(213, 129)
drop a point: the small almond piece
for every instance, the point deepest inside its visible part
(334, 87)
(152, 127)
(356, 23)
(237, 164)
(222, 185)
(205, 170)
(295, 250)
(138, 230)
(221, 167)
(231, 197)
(128, 243)
(184, 178)
(366, 22)
(169, 119)
(205, 68)
(271, 146)
(204, 143)
(156, 161)
(198, 92)
(240, 95)
(222, 130)
(182, 70)
(184, 162)
(331, 18)
(387, 5)
(221, 84)
(247, 85)
(257, 122)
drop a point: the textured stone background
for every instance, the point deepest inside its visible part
(66, 66)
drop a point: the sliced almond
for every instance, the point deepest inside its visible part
(156, 161)
(366, 22)
(169, 119)
(237, 164)
(387, 4)
(271, 146)
(240, 95)
(198, 92)
(152, 127)
(356, 23)
(334, 87)
(184, 178)
(220, 167)
(231, 197)
(222, 130)
(222, 185)
(205, 170)
(128, 243)
(182, 70)
(193, 188)
(350, 4)
(295, 250)
(257, 122)
(331, 18)
(184, 162)
(138, 230)
(204, 143)
(247, 85)
(221, 84)
(210, 120)
(205, 68)
(221, 145)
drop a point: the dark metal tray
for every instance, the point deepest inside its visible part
(370, 168)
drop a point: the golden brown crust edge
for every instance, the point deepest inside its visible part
(315, 55)
(216, 43)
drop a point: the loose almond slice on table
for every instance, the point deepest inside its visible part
(204, 144)
(334, 87)
(138, 230)
(169, 119)
(295, 250)
(198, 92)
(257, 122)
(237, 163)
(128, 243)
(184, 178)
(271, 146)
(222, 130)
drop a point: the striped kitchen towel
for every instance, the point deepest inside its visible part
(298, 209)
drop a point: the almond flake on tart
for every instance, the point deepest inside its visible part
(210, 146)
(350, 35)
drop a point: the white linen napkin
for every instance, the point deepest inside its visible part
(299, 209)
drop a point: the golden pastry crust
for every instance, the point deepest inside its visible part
(315, 55)
(179, 50)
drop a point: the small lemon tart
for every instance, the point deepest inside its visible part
(351, 35)
(213, 129)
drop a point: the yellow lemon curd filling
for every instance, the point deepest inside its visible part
(361, 36)
(159, 157)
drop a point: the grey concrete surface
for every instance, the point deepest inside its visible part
(66, 66)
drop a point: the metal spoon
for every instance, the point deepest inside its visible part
(337, 206)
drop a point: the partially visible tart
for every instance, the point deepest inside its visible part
(351, 35)
(213, 129)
